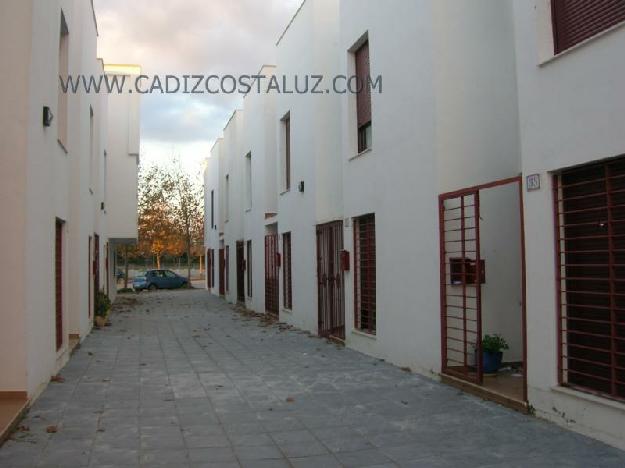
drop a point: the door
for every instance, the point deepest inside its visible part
(461, 290)
(272, 287)
(240, 271)
(58, 284)
(330, 289)
(222, 266)
(96, 265)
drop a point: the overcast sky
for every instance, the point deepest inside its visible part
(185, 37)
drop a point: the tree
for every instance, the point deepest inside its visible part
(156, 224)
(187, 209)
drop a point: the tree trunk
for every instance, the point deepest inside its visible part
(189, 261)
(125, 267)
(158, 262)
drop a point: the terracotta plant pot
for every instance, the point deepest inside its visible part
(100, 321)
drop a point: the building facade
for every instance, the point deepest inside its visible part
(56, 168)
(418, 219)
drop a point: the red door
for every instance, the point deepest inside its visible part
(330, 283)
(58, 284)
(272, 286)
(222, 266)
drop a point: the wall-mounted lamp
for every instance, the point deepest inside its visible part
(345, 260)
(48, 117)
(301, 187)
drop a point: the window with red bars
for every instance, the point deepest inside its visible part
(365, 274)
(286, 123)
(210, 268)
(363, 98)
(287, 298)
(574, 21)
(590, 246)
(248, 266)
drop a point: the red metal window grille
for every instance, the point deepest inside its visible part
(248, 266)
(589, 210)
(286, 271)
(365, 274)
(330, 280)
(574, 21)
(287, 151)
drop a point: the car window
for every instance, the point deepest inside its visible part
(170, 274)
(161, 274)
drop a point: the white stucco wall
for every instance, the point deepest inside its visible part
(315, 150)
(571, 112)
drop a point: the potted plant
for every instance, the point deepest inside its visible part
(102, 307)
(493, 347)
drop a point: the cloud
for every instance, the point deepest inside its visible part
(185, 37)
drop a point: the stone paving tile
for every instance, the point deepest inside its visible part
(183, 380)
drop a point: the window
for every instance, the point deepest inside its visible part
(227, 201)
(63, 75)
(575, 21)
(287, 277)
(248, 267)
(590, 243)
(209, 268)
(248, 180)
(212, 209)
(365, 274)
(286, 128)
(363, 98)
(92, 157)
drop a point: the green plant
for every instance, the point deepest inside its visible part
(102, 304)
(494, 344)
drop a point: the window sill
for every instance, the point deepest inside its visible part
(364, 334)
(285, 192)
(361, 154)
(589, 397)
(552, 58)
(287, 311)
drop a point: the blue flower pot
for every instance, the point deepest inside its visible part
(491, 362)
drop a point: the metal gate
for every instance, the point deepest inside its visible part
(272, 287)
(222, 267)
(58, 284)
(330, 289)
(461, 291)
(240, 271)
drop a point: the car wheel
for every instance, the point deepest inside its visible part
(152, 287)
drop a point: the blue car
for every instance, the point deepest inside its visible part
(159, 279)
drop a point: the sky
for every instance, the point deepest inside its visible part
(181, 37)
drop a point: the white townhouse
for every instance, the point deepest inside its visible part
(571, 69)
(55, 180)
(476, 194)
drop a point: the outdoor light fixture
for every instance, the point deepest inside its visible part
(48, 117)
(301, 187)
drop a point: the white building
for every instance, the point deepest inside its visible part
(571, 104)
(54, 176)
(404, 225)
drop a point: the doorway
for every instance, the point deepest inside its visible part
(483, 288)
(240, 272)
(222, 268)
(330, 281)
(272, 287)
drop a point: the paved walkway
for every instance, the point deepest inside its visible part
(182, 380)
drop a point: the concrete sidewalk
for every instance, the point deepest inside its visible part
(182, 380)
